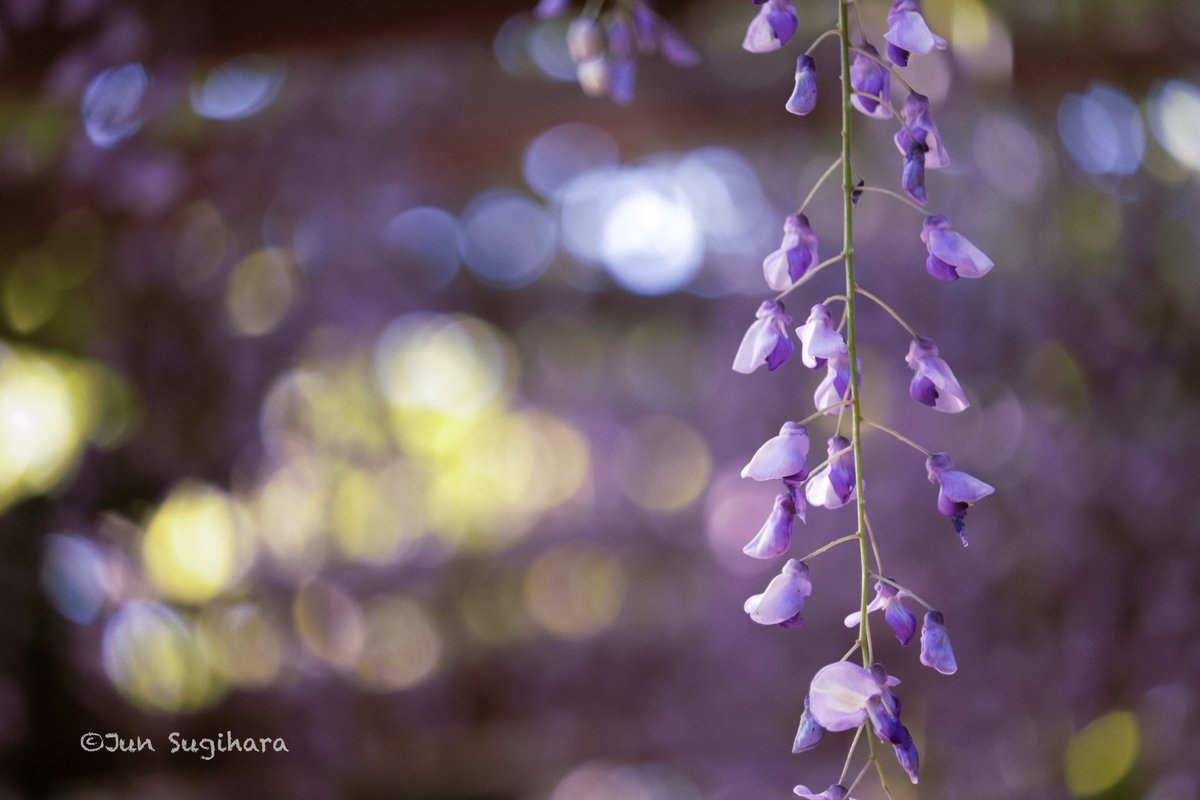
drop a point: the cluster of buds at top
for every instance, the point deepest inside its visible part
(845, 696)
(607, 38)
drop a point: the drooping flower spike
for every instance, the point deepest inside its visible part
(957, 491)
(832, 486)
(774, 537)
(804, 96)
(766, 341)
(933, 383)
(795, 256)
(835, 792)
(819, 339)
(951, 255)
(781, 456)
(918, 119)
(909, 33)
(935, 644)
(870, 77)
(783, 599)
(902, 621)
(772, 28)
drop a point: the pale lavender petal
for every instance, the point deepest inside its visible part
(959, 487)
(935, 644)
(772, 27)
(835, 792)
(870, 77)
(835, 386)
(766, 341)
(804, 95)
(775, 535)
(784, 597)
(909, 31)
(781, 456)
(819, 339)
(838, 695)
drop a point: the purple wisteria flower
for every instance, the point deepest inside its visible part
(870, 77)
(951, 255)
(912, 178)
(835, 386)
(902, 621)
(772, 28)
(804, 96)
(783, 599)
(935, 644)
(781, 456)
(919, 119)
(908, 33)
(774, 537)
(934, 384)
(674, 47)
(766, 340)
(839, 693)
(832, 486)
(795, 256)
(835, 792)
(809, 734)
(957, 491)
(819, 339)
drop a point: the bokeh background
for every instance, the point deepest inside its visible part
(365, 384)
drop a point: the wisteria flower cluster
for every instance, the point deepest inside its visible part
(606, 39)
(846, 696)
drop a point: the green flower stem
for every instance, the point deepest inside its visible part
(896, 195)
(821, 180)
(850, 756)
(819, 39)
(900, 437)
(856, 417)
(851, 537)
(870, 296)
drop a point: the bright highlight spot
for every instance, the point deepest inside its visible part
(1101, 754)
(237, 89)
(401, 648)
(651, 242)
(1102, 130)
(507, 239)
(112, 103)
(245, 646)
(152, 656)
(1175, 119)
(261, 290)
(574, 591)
(194, 547)
(663, 464)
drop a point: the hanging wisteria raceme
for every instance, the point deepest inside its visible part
(844, 696)
(607, 37)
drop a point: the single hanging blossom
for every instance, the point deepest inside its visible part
(835, 792)
(919, 119)
(772, 28)
(774, 537)
(839, 693)
(819, 339)
(583, 40)
(870, 77)
(766, 340)
(646, 25)
(951, 256)
(935, 644)
(885, 719)
(622, 67)
(781, 456)
(832, 486)
(795, 256)
(934, 384)
(912, 178)
(902, 621)
(957, 491)
(804, 96)
(908, 32)
(835, 386)
(809, 734)
(783, 599)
